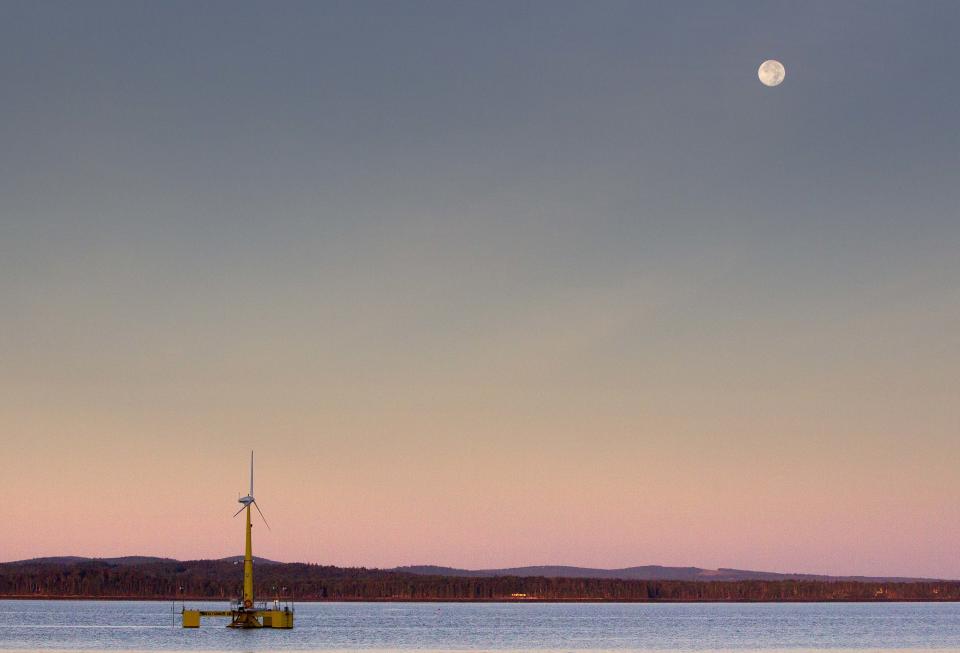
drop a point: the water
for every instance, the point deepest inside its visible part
(145, 625)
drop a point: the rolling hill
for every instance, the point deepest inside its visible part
(646, 572)
(140, 577)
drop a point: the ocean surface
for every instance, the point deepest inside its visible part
(150, 625)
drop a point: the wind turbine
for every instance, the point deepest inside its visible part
(246, 616)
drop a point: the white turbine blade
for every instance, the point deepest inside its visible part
(238, 512)
(251, 473)
(261, 516)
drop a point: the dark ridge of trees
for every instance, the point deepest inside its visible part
(219, 579)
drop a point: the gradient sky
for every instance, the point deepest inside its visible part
(483, 283)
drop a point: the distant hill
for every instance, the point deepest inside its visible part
(123, 560)
(647, 572)
(257, 559)
(141, 577)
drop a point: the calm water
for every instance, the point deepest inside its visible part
(141, 625)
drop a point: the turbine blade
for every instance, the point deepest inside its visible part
(261, 516)
(251, 473)
(238, 512)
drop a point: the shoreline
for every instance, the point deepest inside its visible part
(34, 597)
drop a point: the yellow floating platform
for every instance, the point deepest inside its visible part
(277, 618)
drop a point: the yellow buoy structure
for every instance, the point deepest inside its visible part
(246, 612)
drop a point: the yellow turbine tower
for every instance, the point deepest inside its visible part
(246, 613)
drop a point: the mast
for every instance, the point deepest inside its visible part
(248, 566)
(248, 550)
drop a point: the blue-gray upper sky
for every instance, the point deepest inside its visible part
(484, 229)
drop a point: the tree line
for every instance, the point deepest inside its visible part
(222, 579)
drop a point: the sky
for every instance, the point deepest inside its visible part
(484, 284)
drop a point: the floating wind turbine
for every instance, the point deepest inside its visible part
(245, 613)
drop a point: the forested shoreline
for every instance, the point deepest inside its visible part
(220, 580)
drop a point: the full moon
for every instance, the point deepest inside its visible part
(771, 72)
